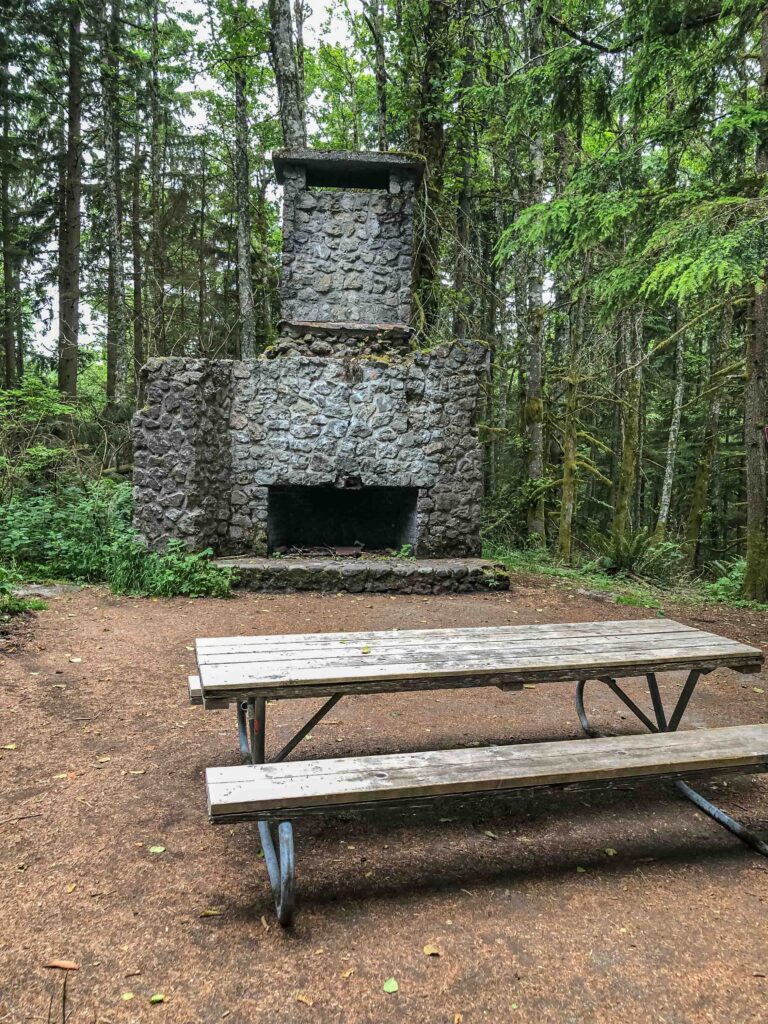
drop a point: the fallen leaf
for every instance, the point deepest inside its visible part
(127, 996)
(348, 973)
(430, 950)
(157, 849)
(491, 835)
(264, 924)
(136, 771)
(529, 686)
(103, 760)
(758, 689)
(8, 746)
(63, 965)
(610, 851)
(158, 997)
(458, 1018)
(75, 661)
(390, 986)
(212, 912)
(365, 650)
(61, 775)
(307, 1000)
(343, 641)
(71, 887)
(581, 870)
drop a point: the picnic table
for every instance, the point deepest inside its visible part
(248, 671)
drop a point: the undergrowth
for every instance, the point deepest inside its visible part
(83, 533)
(627, 587)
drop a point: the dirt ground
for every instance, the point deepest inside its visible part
(629, 906)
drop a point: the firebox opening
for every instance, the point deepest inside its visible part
(313, 517)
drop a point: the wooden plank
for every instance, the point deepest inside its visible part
(296, 786)
(195, 690)
(513, 667)
(488, 650)
(453, 635)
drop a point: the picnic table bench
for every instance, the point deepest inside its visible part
(248, 671)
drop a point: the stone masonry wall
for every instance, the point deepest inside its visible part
(182, 453)
(347, 254)
(214, 435)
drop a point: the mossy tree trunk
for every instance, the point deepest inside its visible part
(631, 399)
(756, 401)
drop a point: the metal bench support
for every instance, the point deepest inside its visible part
(279, 857)
(664, 725)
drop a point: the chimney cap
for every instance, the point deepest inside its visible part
(341, 168)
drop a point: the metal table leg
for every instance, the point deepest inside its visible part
(281, 863)
(664, 725)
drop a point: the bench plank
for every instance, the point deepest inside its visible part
(296, 787)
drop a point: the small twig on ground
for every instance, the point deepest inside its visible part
(21, 817)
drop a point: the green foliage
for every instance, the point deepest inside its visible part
(640, 555)
(31, 433)
(405, 551)
(11, 605)
(85, 534)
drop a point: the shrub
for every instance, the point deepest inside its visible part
(729, 585)
(639, 555)
(85, 534)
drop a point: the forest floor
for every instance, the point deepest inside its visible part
(600, 908)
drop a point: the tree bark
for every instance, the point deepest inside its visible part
(573, 342)
(756, 399)
(373, 12)
(243, 199)
(631, 400)
(69, 233)
(117, 326)
(157, 271)
(534, 405)
(700, 489)
(137, 255)
(285, 66)
(299, 13)
(8, 333)
(464, 158)
(665, 502)
(431, 145)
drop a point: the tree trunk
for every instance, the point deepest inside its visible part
(631, 401)
(431, 145)
(373, 12)
(706, 460)
(117, 327)
(534, 405)
(202, 342)
(285, 66)
(157, 273)
(464, 159)
(756, 400)
(299, 12)
(136, 252)
(573, 342)
(8, 304)
(665, 501)
(69, 234)
(243, 198)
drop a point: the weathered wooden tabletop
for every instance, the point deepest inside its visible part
(319, 664)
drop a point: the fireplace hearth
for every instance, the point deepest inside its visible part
(364, 518)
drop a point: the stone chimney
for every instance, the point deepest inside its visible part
(347, 238)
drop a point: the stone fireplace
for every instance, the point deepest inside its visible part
(342, 437)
